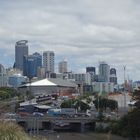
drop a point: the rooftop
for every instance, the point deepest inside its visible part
(52, 82)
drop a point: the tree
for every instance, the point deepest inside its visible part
(104, 103)
(6, 92)
(129, 125)
(136, 96)
(75, 103)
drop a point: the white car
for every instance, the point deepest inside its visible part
(38, 114)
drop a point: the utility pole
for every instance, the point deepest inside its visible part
(98, 104)
(124, 87)
(124, 68)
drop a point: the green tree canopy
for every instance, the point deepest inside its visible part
(75, 103)
(104, 103)
(129, 125)
(6, 92)
(136, 96)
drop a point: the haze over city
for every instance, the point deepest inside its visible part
(83, 31)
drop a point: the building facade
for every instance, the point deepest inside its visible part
(3, 76)
(41, 74)
(38, 58)
(48, 61)
(103, 87)
(21, 49)
(31, 64)
(91, 70)
(62, 67)
(104, 72)
(113, 76)
(17, 80)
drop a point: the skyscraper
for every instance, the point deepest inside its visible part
(31, 64)
(113, 76)
(48, 61)
(38, 59)
(21, 49)
(104, 72)
(113, 71)
(91, 70)
(29, 69)
(62, 66)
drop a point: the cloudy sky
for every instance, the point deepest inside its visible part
(82, 31)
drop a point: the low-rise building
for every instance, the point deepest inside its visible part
(103, 87)
(50, 86)
(17, 80)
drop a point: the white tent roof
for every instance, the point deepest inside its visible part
(44, 82)
(52, 82)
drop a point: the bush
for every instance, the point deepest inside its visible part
(6, 92)
(128, 126)
(11, 131)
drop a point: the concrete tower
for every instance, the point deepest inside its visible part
(21, 49)
(104, 72)
(62, 66)
(48, 61)
(113, 76)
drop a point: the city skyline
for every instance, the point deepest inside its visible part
(85, 32)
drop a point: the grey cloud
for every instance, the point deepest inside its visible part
(84, 31)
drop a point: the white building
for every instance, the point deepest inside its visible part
(13, 71)
(48, 61)
(79, 78)
(50, 86)
(14, 77)
(41, 74)
(82, 78)
(62, 67)
(3, 76)
(136, 85)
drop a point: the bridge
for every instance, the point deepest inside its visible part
(56, 123)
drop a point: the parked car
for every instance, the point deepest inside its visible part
(38, 114)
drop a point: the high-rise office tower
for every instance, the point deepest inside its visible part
(113, 76)
(38, 57)
(21, 49)
(48, 61)
(91, 70)
(31, 64)
(62, 66)
(113, 71)
(104, 72)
